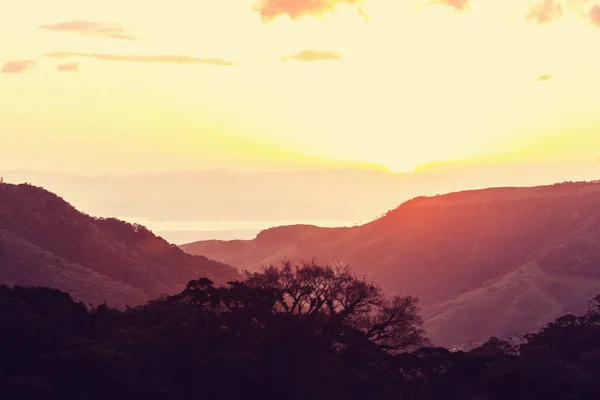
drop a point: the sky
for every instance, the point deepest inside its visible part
(122, 86)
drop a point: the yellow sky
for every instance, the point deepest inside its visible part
(188, 84)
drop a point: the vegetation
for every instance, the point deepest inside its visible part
(296, 332)
(337, 298)
(44, 241)
(484, 262)
(305, 330)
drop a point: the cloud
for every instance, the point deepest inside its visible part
(91, 28)
(594, 15)
(460, 5)
(271, 9)
(18, 66)
(68, 67)
(545, 11)
(313, 55)
(363, 14)
(544, 77)
(166, 59)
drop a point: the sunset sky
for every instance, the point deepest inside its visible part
(122, 86)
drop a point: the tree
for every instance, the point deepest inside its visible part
(345, 305)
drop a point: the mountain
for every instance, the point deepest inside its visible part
(499, 261)
(172, 201)
(44, 241)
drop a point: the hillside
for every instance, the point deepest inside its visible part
(167, 202)
(488, 262)
(45, 241)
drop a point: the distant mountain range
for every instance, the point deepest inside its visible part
(488, 262)
(312, 195)
(44, 241)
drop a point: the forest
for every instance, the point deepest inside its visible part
(295, 331)
(45, 241)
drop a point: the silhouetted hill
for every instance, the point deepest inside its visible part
(45, 241)
(488, 262)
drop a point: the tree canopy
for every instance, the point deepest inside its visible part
(295, 332)
(338, 299)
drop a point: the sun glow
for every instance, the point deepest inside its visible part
(399, 84)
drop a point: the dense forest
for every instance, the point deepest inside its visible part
(304, 331)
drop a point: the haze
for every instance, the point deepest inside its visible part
(112, 87)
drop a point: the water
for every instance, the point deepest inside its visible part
(180, 232)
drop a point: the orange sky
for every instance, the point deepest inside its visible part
(109, 86)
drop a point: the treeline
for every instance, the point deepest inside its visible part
(40, 195)
(302, 331)
(47, 242)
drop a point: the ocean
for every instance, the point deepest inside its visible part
(180, 232)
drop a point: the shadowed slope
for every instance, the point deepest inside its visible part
(45, 241)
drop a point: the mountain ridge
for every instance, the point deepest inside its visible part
(455, 247)
(43, 239)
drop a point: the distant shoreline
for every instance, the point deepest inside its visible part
(189, 236)
(181, 232)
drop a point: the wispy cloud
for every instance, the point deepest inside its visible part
(18, 66)
(144, 58)
(313, 55)
(545, 11)
(91, 28)
(544, 77)
(271, 9)
(594, 15)
(363, 14)
(68, 67)
(460, 5)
